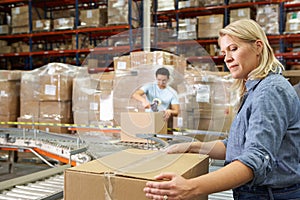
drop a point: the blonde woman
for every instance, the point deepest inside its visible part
(262, 153)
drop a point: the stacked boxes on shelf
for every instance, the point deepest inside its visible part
(241, 13)
(117, 12)
(187, 29)
(163, 5)
(9, 96)
(63, 19)
(292, 22)
(20, 18)
(268, 17)
(188, 3)
(93, 17)
(209, 25)
(213, 2)
(41, 25)
(92, 98)
(209, 106)
(49, 89)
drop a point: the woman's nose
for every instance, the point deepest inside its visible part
(228, 58)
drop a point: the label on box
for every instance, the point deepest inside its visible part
(121, 65)
(94, 106)
(89, 14)
(50, 89)
(38, 24)
(293, 27)
(179, 122)
(203, 93)
(17, 10)
(241, 13)
(3, 93)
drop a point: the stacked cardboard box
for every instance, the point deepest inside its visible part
(241, 13)
(213, 2)
(268, 17)
(239, 1)
(163, 5)
(64, 23)
(4, 29)
(93, 17)
(117, 12)
(20, 18)
(4, 47)
(123, 175)
(9, 96)
(41, 25)
(93, 98)
(292, 22)
(209, 25)
(188, 3)
(209, 105)
(187, 29)
(49, 90)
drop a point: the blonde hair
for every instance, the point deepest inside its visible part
(249, 31)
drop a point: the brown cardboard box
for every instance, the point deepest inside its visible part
(133, 123)
(4, 29)
(20, 15)
(63, 23)
(93, 17)
(8, 118)
(123, 175)
(42, 25)
(29, 109)
(58, 110)
(9, 97)
(29, 87)
(55, 87)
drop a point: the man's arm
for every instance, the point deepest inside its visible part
(138, 95)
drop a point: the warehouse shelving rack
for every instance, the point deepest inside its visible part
(286, 56)
(285, 41)
(95, 34)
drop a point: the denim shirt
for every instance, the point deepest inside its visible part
(265, 134)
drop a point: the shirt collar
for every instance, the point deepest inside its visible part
(251, 84)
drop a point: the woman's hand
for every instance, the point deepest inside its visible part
(176, 187)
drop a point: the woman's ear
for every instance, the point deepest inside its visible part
(259, 46)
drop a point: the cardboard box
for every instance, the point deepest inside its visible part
(58, 110)
(42, 25)
(29, 109)
(8, 118)
(123, 175)
(55, 87)
(133, 123)
(93, 17)
(4, 29)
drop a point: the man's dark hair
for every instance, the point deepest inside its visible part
(163, 71)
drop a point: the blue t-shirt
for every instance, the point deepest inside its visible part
(265, 134)
(167, 96)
